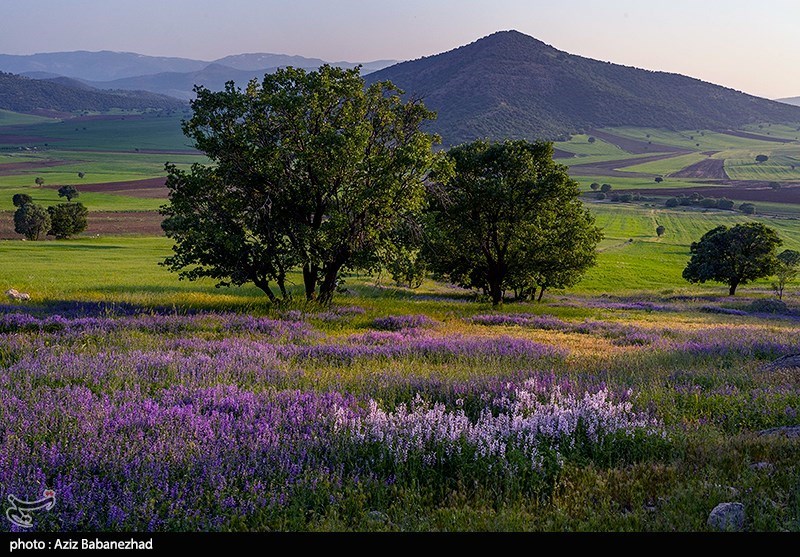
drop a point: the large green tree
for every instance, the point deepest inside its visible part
(67, 219)
(510, 218)
(308, 168)
(733, 256)
(32, 221)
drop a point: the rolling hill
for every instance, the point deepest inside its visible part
(22, 94)
(170, 76)
(510, 85)
(790, 100)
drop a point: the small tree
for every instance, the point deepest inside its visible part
(747, 208)
(660, 230)
(67, 220)
(21, 199)
(659, 179)
(591, 139)
(69, 192)
(709, 203)
(786, 270)
(32, 221)
(733, 256)
(39, 181)
(761, 158)
(81, 175)
(672, 202)
(595, 186)
(605, 188)
(601, 196)
(775, 185)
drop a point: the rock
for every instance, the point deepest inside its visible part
(378, 516)
(765, 466)
(786, 362)
(791, 431)
(727, 517)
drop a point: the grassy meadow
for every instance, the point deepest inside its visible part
(632, 401)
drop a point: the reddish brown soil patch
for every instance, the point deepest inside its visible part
(787, 194)
(708, 169)
(559, 154)
(12, 168)
(746, 135)
(15, 139)
(100, 223)
(635, 146)
(609, 168)
(150, 188)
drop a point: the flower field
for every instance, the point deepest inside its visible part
(577, 414)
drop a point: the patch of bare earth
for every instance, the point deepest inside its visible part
(746, 135)
(611, 168)
(739, 191)
(710, 169)
(102, 223)
(151, 188)
(12, 168)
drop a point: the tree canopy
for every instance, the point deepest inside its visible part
(32, 221)
(510, 218)
(733, 256)
(309, 169)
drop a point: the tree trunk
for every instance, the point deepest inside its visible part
(310, 281)
(732, 290)
(264, 286)
(495, 276)
(541, 293)
(328, 286)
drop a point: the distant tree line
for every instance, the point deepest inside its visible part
(698, 200)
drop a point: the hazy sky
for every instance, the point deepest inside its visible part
(750, 45)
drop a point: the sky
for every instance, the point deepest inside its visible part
(747, 45)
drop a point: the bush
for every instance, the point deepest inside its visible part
(659, 179)
(626, 197)
(614, 198)
(709, 203)
(672, 202)
(595, 186)
(21, 199)
(67, 219)
(601, 196)
(725, 204)
(768, 306)
(747, 208)
(605, 188)
(684, 201)
(660, 230)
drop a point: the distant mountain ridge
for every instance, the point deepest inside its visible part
(510, 85)
(22, 94)
(790, 100)
(164, 75)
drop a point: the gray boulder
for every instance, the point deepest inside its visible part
(727, 517)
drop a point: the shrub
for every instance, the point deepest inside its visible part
(747, 208)
(21, 199)
(672, 202)
(725, 204)
(709, 203)
(768, 306)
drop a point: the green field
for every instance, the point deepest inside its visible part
(579, 144)
(708, 140)
(666, 166)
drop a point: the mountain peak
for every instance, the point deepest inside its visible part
(511, 85)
